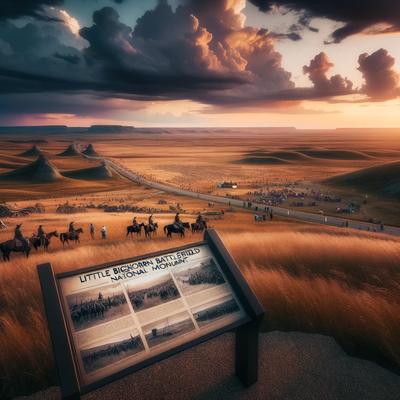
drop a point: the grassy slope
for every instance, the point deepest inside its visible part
(309, 279)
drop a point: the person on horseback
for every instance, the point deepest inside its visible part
(177, 221)
(19, 237)
(41, 234)
(200, 220)
(151, 222)
(134, 222)
(71, 230)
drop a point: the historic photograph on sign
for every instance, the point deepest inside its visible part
(168, 328)
(202, 274)
(215, 310)
(151, 291)
(96, 306)
(110, 351)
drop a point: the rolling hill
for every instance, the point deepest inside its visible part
(39, 171)
(381, 180)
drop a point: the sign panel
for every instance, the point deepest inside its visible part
(106, 321)
(124, 313)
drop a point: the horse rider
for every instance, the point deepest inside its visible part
(41, 234)
(134, 222)
(151, 222)
(18, 236)
(71, 230)
(177, 221)
(200, 220)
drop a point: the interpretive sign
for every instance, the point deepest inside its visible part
(109, 320)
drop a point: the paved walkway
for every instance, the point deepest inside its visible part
(277, 211)
(292, 366)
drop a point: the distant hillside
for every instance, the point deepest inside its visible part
(383, 180)
(90, 151)
(337, 154)
(34, 151)
(94, 173)
(39, 171)
(110, 128)
(70, 151)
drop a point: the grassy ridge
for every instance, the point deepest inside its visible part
(345, 286)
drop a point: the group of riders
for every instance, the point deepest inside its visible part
(41, 234)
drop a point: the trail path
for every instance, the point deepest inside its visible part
(256, 207)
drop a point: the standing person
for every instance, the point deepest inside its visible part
(41, 234)
(271, 215)
(91, 230)
(103, 232)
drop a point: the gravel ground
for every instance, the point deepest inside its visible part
(293, 366)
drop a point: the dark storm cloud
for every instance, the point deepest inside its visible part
(200, 50)
(70, 58)
(13, 9)
(381, 79)
(356, 15)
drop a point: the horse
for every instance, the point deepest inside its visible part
(36, 242)
(149, 229)
(65, 237)
(134, 229)
(197, 227)
(15, 245)
(172, 228)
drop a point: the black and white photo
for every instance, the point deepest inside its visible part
(96, 306)
(110, 351)
(151, 291)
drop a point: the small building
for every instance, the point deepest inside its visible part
(227, 185)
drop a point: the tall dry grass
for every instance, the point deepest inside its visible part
(313, 281)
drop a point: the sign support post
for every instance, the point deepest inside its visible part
(68, 379)
(246, 353)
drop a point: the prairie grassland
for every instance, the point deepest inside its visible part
(309, 278)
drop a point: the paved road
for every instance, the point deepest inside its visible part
(277, 211)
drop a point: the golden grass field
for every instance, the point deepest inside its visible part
(310, 278)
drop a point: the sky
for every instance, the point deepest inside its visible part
(180, 63)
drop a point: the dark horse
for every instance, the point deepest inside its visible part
(15, 245)
(197, 227)
(172, 228)
(149, 229)
(130, 229)
(36, 242)
(65, 237)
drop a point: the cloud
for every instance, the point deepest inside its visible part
(200, 51)
(381, 79)
(13, 9)
(367, 16)
(317, 72)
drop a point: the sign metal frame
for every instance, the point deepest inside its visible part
(246, 348)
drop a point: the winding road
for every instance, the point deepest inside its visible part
(256, 207)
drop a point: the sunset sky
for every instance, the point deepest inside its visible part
(302, 63)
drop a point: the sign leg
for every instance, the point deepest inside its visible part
(247, 353)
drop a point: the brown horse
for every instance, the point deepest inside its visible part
(65, 237)
(36, 242)
(130, 229)
(15, 245)
(172, 228)
(150, 229)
